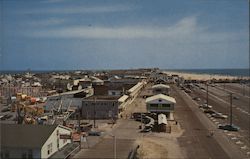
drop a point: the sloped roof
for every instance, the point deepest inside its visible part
(123, 98)
(161, 96)
(54, 104)
(160, 86)
(24, 135)
(135, 87)
(162, 119)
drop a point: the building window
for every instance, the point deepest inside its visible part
(30, 156)
(160, 100)
(166, 105)
(154, 105)
(113, 93)
(24, 155)
(6, 154)
(50, 148)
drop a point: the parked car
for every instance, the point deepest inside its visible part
(6, 116)
(209, 111)
(229, 127)
(205, 106)
(236, 98)
(5, 109)
(196, 99)
(145, 130)
(94, 133)
(188, 91)
(219, 115)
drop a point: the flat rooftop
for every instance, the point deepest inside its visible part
(101, 97)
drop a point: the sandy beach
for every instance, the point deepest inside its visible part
(196, 76)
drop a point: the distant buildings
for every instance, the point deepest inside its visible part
(33, 141)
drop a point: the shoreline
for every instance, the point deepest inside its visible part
(204, 76)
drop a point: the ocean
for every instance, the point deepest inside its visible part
(227, 72)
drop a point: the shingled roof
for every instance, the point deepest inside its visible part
(25, 136)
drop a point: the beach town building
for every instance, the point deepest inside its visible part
(161, 89)
(104, 107)
(112, 89)
(135, 90)
(161, 103)
(67, 100)
(33, 141)
(100, 107)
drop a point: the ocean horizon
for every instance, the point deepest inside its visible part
(244, 72)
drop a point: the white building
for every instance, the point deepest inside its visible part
(135, 90)
(161, 89)
(161, 104)
(32, 141)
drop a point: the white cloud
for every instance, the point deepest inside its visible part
(46, 22)
(185, 30)
(184, 27)
(78, 9)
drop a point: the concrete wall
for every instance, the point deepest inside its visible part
(105, 109)
(55, 140)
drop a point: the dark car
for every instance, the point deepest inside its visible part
(145, 130)
(94, 133)
(197, 99)
(237, 98)
(229, 127)
(5, 109)
(209, 111)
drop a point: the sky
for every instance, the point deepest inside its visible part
(124, 34)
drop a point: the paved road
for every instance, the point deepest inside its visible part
(106, 149)
(126, 132)
(195, 138)
(240, 89)
(241, 116)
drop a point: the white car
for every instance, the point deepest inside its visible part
(205, 106)
(219, 115)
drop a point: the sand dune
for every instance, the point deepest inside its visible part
(196, 76)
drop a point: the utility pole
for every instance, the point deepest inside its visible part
(79, 128)
(94, 110)
(114, 147)
(231, 109)
(141, 120)
(243, 89)
(207, 94)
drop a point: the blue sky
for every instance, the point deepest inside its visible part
(111, 34)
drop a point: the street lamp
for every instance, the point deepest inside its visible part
(230, 126)
(114, 144)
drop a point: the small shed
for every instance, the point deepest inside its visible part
(162, 123)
